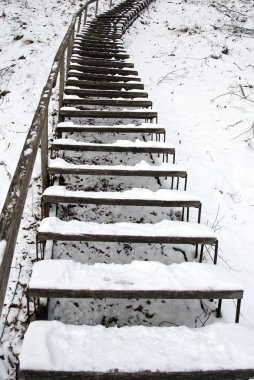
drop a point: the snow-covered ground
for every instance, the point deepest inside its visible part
(30, 33)
(196, 60)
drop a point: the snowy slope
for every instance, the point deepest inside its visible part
(30, 33)
(196, 60)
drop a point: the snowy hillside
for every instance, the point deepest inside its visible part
(30, 33)
(196, 60)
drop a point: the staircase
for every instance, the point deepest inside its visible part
(113, 185)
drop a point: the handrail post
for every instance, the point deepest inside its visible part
(69, 51)
(110, 3)
(61, 88)
(97, 6)
(79, 22)
(44, 154)
(85, 16)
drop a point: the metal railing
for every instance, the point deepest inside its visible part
(13, 207)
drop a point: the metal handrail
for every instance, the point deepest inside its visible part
(13, 207)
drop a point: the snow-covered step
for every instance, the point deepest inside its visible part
(134, 197)
(98, 45)
(137, 146)
(109, 114)
(69, 126)
(102, 70)
(99, 48)
(103, 77)
(72, 81)
(94, 39)
(107, 102)
(139, 279)
(101, 35)
(141, 169)
(103, 41)
(103, 93)
(52, 349)
(163, 232)
(83, 39)
(101, 62)
(100, 24)
(104, 30)
(107, 28)
(112, 34)
(97, 54)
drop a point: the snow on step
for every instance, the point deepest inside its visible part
(111, 114)
(76, 97)
(115, 75)
(142, 168)
(134, 197)
(65, 142)
(139, 275)
(138, 110)
(69, 125)
(164, 228)
(120, 92)
(162, 195)
(54, 346)
(124, 143)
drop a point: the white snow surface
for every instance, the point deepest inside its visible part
(193, 57)
(69, 108)
(30, 34)
(138, 275)
(121, 143)
(56, 346)
(138, 110)
(135, 193)
(162, 228)
(2, 249)
(70, 124)
(142, 165)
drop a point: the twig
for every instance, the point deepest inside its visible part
(199, 59)
(14, 295)
(241, 88)
(233, 93)
(216, 222)
(249, 100)
(231, 10)
(171, 72)
(251, 129)
(5, 70)
(226, 262)
(232, 125)
(170, 323)
(237, 66)
(246, 31)
(2, 163)
(219, 96)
